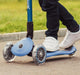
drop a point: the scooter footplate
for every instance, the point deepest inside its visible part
(62, 52)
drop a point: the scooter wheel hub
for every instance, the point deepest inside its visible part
(40, 54)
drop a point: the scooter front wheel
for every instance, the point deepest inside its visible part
(7, 54)
(39, 54)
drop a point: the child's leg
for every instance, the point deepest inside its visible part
(52, 14)
(51, 8)
(67, 19)
(73, 33)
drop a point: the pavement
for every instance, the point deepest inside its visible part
(58, 65)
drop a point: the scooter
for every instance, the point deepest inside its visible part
(26, 45)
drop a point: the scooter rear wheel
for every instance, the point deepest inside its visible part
(7, 54)
(39, 54)
(71, 55)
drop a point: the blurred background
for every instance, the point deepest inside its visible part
(13, 15)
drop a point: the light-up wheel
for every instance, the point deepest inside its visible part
(39, 54)
(8, 56)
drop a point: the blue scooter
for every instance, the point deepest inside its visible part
(26, 45)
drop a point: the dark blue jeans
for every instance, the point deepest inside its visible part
(55, 12)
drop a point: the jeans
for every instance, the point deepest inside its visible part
(55, 12)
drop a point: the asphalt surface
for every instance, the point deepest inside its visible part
(59, 65)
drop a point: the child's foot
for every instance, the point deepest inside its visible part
(51, 44)
(70, 39)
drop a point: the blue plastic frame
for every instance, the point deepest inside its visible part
(26, 49)
(61, 52)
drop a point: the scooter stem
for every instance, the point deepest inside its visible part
(29, 19)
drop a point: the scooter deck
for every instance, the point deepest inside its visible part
(69, 51)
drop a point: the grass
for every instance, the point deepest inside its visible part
(13, 16)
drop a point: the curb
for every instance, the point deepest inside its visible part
(40, 34)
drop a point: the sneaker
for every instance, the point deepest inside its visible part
(51, 44)
(70, 39)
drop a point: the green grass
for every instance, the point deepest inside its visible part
(13, 16)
